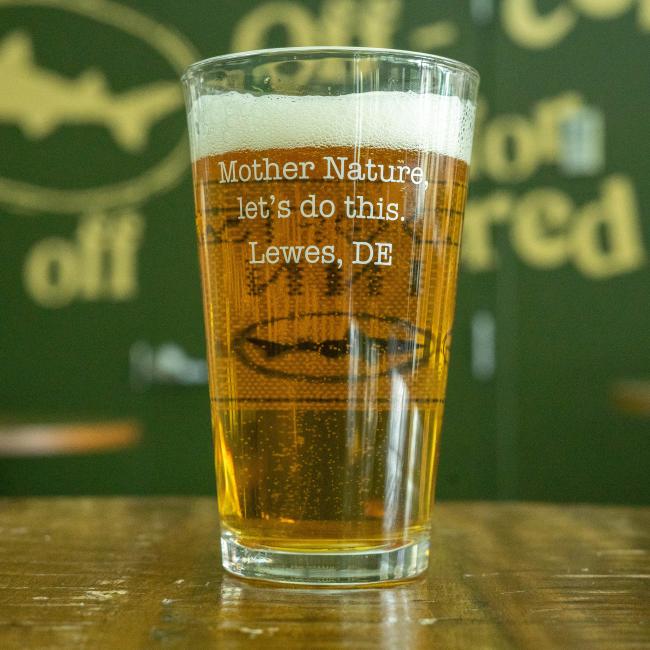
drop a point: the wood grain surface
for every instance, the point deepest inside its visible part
(145, 573)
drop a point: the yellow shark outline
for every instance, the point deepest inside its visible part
(40, 100)
(160, 176)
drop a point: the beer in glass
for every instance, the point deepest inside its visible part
(329, 185)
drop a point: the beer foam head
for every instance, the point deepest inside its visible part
(393, 120)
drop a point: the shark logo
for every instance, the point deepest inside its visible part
(42, 103)
(40, 100)
(332, 347)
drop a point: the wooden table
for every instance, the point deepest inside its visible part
(144, 573)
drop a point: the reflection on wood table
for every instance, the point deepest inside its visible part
(144, 572)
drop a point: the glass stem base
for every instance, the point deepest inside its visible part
(325, 568)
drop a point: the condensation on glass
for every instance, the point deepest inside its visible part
(330, 185)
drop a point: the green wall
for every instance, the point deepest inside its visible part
(99, 263)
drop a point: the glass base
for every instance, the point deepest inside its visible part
(331, 569)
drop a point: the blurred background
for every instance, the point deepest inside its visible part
(102, 375)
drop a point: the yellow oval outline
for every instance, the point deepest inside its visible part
(177, 51)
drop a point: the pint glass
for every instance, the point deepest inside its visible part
(329, 185)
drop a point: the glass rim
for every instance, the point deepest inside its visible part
(334, 50)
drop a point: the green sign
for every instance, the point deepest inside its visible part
(103, 387)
